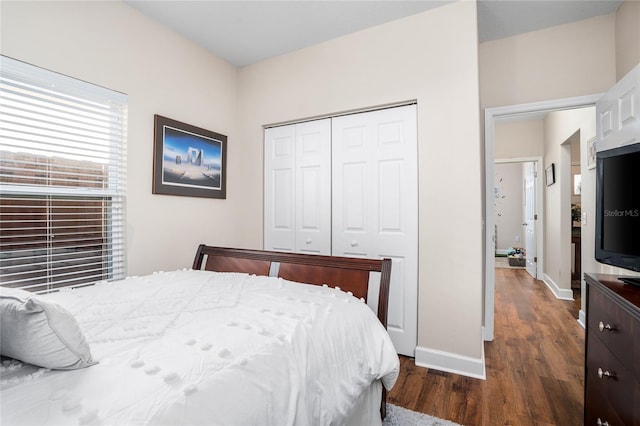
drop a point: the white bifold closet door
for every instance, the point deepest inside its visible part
(348, 186)
(297, 216)
(375, 205)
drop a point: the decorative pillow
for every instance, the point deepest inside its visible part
(41, 333)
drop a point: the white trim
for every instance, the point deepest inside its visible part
(490, 114)
(559, 293)
(24, 71)
(582, 318)
(451, 362)
(341, 113)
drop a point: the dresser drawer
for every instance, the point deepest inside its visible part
(598, 411)
(615, 327)
(611, 380)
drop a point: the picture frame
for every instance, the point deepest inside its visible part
(188, 160)
(591, 153)
(550, 174)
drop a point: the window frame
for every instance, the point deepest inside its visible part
(67, 148)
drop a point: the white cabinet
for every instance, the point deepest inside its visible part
(348, 186)
(297, 204)
(618, 113)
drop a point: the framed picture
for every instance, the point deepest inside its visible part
(188, 160)
(550, 174)
(591, 153)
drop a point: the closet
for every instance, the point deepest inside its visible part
(348, 186)
(297, 179)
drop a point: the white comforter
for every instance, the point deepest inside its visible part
(198, 347)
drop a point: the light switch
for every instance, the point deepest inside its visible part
(584, 218)
(517, 238)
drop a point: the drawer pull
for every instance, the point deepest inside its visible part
(308, 241)
(602, 327)
(604, 373)
(602, 423)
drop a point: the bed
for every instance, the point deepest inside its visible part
(244, 337)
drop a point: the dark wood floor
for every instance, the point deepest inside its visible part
(534, 365)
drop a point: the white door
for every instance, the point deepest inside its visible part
(618, 113)
(530, 217)
(313, 187)
(375, 205)
(297, 216)
(279, 188)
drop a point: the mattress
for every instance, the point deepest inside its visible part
(202, 347)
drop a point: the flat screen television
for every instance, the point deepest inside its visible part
(618, 209)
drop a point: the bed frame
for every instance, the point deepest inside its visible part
(350, 274)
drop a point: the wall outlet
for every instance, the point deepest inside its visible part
(517, 238)
(584, 218)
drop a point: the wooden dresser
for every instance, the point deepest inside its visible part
(612, 355)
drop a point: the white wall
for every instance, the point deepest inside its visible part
(518, 139)
(560, 129)
(432, 58)
(112, 45)
(627, 37)
(509, 206)
(559, 62)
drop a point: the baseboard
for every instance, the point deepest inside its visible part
(485, 334)
(451, 363)
(582, 318)
(560, 293)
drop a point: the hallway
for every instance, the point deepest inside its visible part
(534, 366)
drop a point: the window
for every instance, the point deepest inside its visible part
(62, 179)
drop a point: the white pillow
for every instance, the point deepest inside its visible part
(41, 333)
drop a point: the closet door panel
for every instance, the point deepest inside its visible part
(353, 184)
(354, 239)
(397, 231)
(313, 187)
(279, 182)
(384, 145)
(390, 184)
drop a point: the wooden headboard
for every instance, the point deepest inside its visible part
(350, 274)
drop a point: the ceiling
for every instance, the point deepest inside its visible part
(245, 32)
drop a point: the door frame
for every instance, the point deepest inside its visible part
(538, 161)
(490, 115)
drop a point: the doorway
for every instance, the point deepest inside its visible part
(516, 213)
(491, 115)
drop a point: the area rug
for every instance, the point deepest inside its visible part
(398, 416)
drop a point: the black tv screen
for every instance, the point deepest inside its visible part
(618, 207)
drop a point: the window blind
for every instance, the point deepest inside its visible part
(62, 179)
